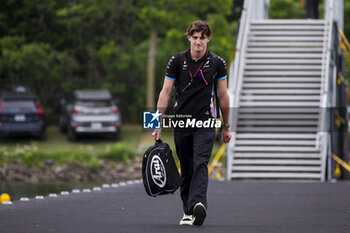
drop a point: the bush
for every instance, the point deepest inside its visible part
(94, 164)
(32, 156)
(2, 157)
(119, 152)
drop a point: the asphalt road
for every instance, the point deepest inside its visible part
(234, 206)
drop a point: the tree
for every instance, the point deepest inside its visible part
(55, 47)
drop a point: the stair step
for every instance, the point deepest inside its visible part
(259, 27)
(311, 162)
(285, 44)
(277, 104)
(280, 136)
(289, 33)
(275, 175)
(288, 61)
(282, 73)
(285, 22)
(281, 80)
(278, 155)
(282, 55)
(274, 122)
(284, 38)
(280, 91)
(278, 116)
(277, 161)
(275, 142)
(279, 97)
(291, 129)
(281, 85)
(277, 168)
(296, 67)
(284, 50)
(270, 110)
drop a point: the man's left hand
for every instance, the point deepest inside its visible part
(226, 135)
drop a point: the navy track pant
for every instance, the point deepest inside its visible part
(194, 147)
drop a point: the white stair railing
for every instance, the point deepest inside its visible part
(252, 11)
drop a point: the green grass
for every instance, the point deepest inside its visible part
(57, 141)
(57, 147)
(87, 150)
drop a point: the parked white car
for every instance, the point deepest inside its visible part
(90, 112)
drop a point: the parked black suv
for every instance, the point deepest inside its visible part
(90, 112)
(21, 114)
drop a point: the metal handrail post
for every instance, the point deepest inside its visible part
(236, 70)
(327, 92)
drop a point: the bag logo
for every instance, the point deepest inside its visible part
(158, 171)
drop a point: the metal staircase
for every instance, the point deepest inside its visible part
(277, 98)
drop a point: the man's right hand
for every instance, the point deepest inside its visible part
(157, 134)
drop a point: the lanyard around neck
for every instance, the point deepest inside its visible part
(189, 72)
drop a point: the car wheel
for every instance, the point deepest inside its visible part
(71, 135)
(117, 136)
(42, 136)
(63, 127)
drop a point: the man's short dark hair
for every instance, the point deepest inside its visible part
(199, 26)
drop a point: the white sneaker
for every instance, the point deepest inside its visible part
(199, 214)
(186, 220)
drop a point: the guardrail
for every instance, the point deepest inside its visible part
(344, 46)
(340, 162)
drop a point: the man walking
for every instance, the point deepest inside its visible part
(195, 73)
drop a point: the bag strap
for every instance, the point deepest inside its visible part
(158, 141)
